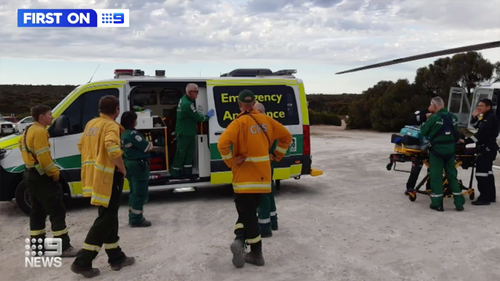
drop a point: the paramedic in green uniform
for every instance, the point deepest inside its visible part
(185, 132)
(442, 130)
(136, 159)
(268, 218)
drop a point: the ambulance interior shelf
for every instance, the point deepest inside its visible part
(154, 130)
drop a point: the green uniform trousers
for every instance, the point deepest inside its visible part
(46, 198)
(268, 218)
(104, 230)
(138, 179)
(437, 165)
(184, 156)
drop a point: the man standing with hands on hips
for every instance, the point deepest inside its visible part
(251, 134)
(102, 178)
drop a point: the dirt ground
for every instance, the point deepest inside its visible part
(351, 223)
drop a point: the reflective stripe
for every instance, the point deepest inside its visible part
(281, 149)
(490, 173)
(227, 156)
(113, 148)
(258, 159)
(149, 145)
(273, 214)
(457, 193)
(109, 246)
(105, 169)
(252, 186)
(436, 195)
(481, 174)
(87, 190)
(89, 247)
(254, 240)
(60, 232)
(100, 199)
(37, 232)
(238, 226)
(134, 211)
(265, 220)
(188, 166)
(88, 162)
(43, 150)
(48, 167)
(473, 138)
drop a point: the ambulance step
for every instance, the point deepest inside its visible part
(167, 181)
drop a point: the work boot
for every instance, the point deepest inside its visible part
(265, 230)
(274, 222)
(86, 272)
(70, 252)
(255, 258)
(126, 262)
(238, 250)
(439, 208)
(460, 208)
(144, 223)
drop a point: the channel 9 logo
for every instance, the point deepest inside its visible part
(73, 18)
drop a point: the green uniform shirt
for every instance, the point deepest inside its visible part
(134, 145)
(188, 117)
(431, 130)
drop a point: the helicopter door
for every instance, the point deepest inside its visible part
(458, 104)
(479, 94)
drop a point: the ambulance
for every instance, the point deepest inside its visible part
(155, 98)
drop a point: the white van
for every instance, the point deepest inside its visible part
(282, 94)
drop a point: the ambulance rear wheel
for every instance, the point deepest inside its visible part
(23, 198)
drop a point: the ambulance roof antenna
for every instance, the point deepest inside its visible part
(94, 72)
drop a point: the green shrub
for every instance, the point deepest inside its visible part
(323, 118)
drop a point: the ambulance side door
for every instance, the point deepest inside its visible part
(78, 112)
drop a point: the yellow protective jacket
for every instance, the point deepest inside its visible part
(99, 144)
(250, 141)
(37, 140)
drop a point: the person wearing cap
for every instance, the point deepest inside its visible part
(251, 134)
(268, 218)
(185, 132)
(486, 122)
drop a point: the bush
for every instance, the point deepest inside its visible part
(323, 118)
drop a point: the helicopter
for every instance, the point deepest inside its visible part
(458, 102)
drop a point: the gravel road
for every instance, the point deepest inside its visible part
(351, 223)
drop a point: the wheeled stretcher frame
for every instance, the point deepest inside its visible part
(464, 158)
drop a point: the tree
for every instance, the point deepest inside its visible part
(469, 69)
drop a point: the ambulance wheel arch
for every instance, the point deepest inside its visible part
(23, 201)
(282, 101)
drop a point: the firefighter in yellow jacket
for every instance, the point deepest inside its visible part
(252, 135)
(41, 177)
(102, 178)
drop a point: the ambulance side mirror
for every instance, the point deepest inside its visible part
(59, 127)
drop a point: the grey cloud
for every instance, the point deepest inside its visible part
(331, 36)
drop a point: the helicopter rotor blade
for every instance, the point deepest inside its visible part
(469, 48)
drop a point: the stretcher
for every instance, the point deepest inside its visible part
(464, 157)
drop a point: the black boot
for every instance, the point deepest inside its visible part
(439, 209)
(265, 230)
(255, 256)
(238, 250)
(86, 272)
(274, 222)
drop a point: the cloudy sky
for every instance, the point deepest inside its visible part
(209, 37)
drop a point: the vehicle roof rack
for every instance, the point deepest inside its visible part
(253, 72)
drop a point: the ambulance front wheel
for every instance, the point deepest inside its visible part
(23, 198)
